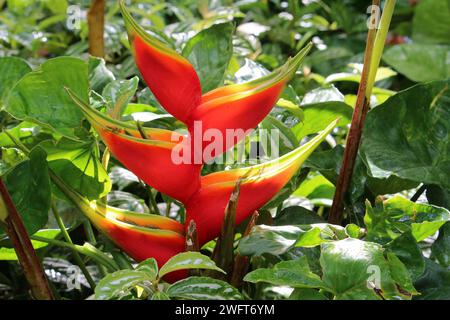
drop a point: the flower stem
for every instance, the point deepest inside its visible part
(374, 48)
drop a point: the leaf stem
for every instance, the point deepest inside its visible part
(68, 239)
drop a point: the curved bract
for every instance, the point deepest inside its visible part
(171, 77)
(140, 235)
(150, 159)
(235, 108)
(258, 184)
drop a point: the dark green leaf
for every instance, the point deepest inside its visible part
(441, 247)
(407, 250)
(12, 69)
(408, 135)
(29, 186)
(203, 288)
(434, 284)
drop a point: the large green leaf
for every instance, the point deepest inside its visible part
(430, 23)
(419, 62)
(389, 219)
(29, 186)
(188, 260)
(293, 273)
(210, 52)
(408, 135)
(78, 164)
(355, 269)
(203, 288)
(12, 69)
(40, 95)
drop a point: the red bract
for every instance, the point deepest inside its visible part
(175, 84)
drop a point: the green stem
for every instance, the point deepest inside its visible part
(378, 46)
(76, 255)
(152, 200)
(104, 261)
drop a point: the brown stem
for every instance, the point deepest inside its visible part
(354, 135)
(28, 259)
(223, 254)
(241, 263)
(96, 24)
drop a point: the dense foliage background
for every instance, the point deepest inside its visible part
(396, 213)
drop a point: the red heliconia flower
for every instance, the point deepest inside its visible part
(176, 85)
(258, 184)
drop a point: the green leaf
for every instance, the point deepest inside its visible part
(277, 134)
(203, 288)
(434, 284)
(438, 196)
(355, 269)
(390, 218)
(317, 189)
(210, 52)
(118, 94)
(188, 260)
(419, 62)
(268, 239)
(306, 294)
(150, 266)
(407, 250)
(119, 284)
(317, 115)
(40, 95)
(10, 253)
(12, 69)
(160, 296)
(430, 23)
(99, 74)
(441, 247)
(296, 215)
(29, 186)
(293, 273)
(408, 135)
(78, 164)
